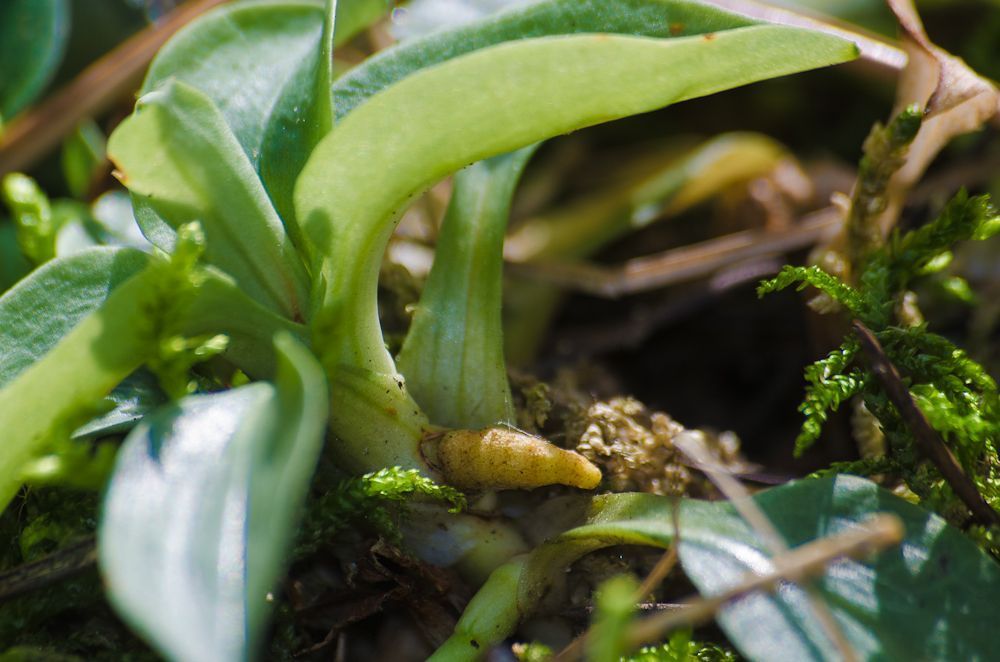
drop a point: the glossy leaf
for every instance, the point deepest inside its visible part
(452, 357)
(910, 602)
(32, 39)
(137, 395)
(178, 153)
(202, 507)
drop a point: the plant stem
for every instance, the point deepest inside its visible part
(926, 436)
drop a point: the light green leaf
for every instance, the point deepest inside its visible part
(648, 18)
(267, 66)
(929, 598)
(452, 357)
(32, 39)
(202, 507)
(493, 101)
(74, 286)
(178, 153)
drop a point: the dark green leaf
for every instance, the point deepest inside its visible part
(929, 598)
(32, 39)
(201, 508)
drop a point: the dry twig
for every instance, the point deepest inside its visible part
(926, 436)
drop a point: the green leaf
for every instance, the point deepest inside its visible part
(452, 357)
(177, 151)
(32, 39)
(923, 599)
(74, 286)
(137, 395)
(201, 508)
(490, 102)
(61, 389)
(267, 66)
(929, 598)
(649, 18)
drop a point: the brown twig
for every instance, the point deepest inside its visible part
(681, 264)
(802, 563)
(927, 437)
(32, 134)
(693, 447)
(66, 562)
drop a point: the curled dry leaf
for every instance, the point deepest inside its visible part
(955, 99)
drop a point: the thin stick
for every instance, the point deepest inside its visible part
(681, 264)
(927, 437)
(55, 567)
(800, 564)
(693, 447)
(32, 134)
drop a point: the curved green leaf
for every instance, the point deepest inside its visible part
(452, 357)
(202, 507)
(32, 39)
(267, 66)
(929, 598)
(489, 102)
(178, 153)
(648, 18)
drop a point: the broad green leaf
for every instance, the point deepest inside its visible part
(925, 599)
(267, 66)
(202, 507)
(929, 598)
(648, 18)
(178, 153)
(489, 102)
(60, 368)
(32, 38)
(109, 221)
(452, 357)
(44, 307)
